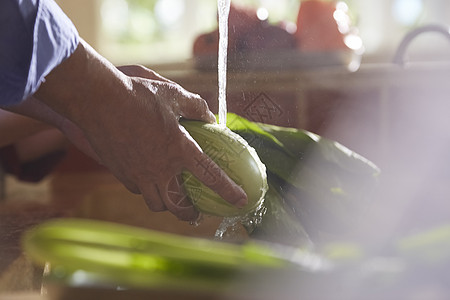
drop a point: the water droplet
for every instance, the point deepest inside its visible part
(198, 221)
(230, 227)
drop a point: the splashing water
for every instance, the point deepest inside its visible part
(223, 8)
(230, 227)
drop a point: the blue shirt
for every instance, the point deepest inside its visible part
(35, 37)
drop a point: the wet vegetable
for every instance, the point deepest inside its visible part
(280, 224)
(240, 161)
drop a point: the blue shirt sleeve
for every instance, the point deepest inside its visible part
(35, 37)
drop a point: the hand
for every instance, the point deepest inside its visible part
(132, 125)
(178, 200)
(37, 110)
(148, 137)
(31, 138)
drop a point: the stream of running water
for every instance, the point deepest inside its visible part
(223, 9)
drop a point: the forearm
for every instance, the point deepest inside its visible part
(80, 85)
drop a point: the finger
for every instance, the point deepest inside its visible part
(153, 199)
(208, 172)
(143, 72)
(177, 201)
(196, 108)
(177, 193)
(128, 184)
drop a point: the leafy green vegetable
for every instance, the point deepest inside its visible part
(324, 184)
(429, 247)
(279, 224)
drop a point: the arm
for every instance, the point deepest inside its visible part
(132, 125)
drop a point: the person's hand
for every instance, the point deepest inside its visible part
(132, 125)
(176, 194)
(40, 116)
(145, 147)
(31, 138)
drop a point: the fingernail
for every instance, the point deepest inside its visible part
(241, 202)
(212, 117)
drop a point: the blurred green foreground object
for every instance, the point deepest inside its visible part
(89, 255)
(120, 255)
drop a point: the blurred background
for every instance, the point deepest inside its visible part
(163, 31)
